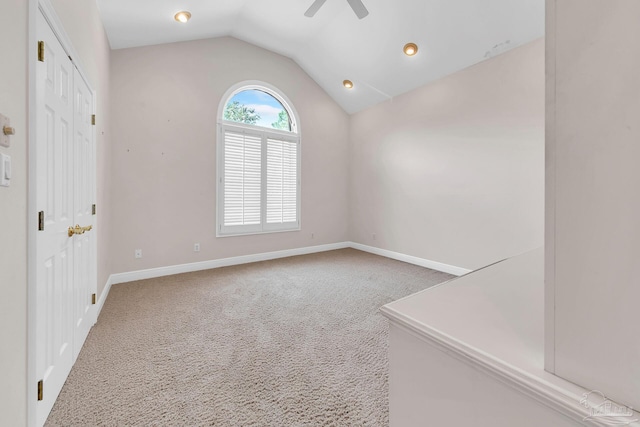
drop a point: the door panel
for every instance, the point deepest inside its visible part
(84, 184)
(54, 354)
(65, 191)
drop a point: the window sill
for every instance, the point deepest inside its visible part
(252, 233)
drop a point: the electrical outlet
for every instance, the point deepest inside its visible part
(196, 247)
(138, 253)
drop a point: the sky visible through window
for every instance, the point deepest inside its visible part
(258, 103)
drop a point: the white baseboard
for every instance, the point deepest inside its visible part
(217, 263)
(103, 297)
(245, 259)
(433, 265)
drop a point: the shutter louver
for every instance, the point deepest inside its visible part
(242, 179)
(282, 181)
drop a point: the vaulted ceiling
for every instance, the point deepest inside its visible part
(335, 45)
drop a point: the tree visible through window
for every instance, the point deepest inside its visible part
(240, 113)
(256, 107)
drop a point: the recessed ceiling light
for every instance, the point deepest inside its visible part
(183, 16)
(410, 49)
(348, 84)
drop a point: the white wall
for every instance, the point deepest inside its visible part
(82, 23)
(13, 217)
(454, 171)
(593, 233)
(164, 108)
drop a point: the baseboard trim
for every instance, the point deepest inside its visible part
(103, 297)
(433, 265)
(152, 273)
(224, 262)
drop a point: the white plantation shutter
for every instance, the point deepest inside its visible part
(282, 181)
(258, 179)
(242, 180)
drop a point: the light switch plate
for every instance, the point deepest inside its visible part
(5, 170)
(4, 139)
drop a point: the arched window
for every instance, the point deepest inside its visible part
(258, 162)
(256, 106)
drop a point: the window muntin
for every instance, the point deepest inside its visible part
(258, 168)
(259, 108)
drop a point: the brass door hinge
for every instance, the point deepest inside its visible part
(93, 119)
(93, 299)
(40, 392)
(41, 51)
(93, 209)
(41, 221)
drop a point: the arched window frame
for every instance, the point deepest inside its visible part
(267, 88)
(264, 133)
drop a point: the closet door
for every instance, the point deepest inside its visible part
(66, 239)
(55, 203)
(84, 252)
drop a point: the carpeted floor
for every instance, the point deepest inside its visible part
(291, 342)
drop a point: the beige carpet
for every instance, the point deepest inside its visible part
(291, 342)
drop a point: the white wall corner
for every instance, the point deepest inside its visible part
(550, 187)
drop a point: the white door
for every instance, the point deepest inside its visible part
(84, 255)
(65, 168)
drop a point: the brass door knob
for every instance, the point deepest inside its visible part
(8, 130)
(79, 230)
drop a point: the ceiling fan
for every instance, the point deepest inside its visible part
(356, 5)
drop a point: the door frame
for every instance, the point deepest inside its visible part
(45, 6)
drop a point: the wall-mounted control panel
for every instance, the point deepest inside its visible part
(6, 131)
(5, 170)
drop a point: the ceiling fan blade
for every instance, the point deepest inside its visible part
(314, 8)
(358, 8)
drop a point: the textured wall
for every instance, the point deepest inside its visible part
(454, 171)
(164, 107)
